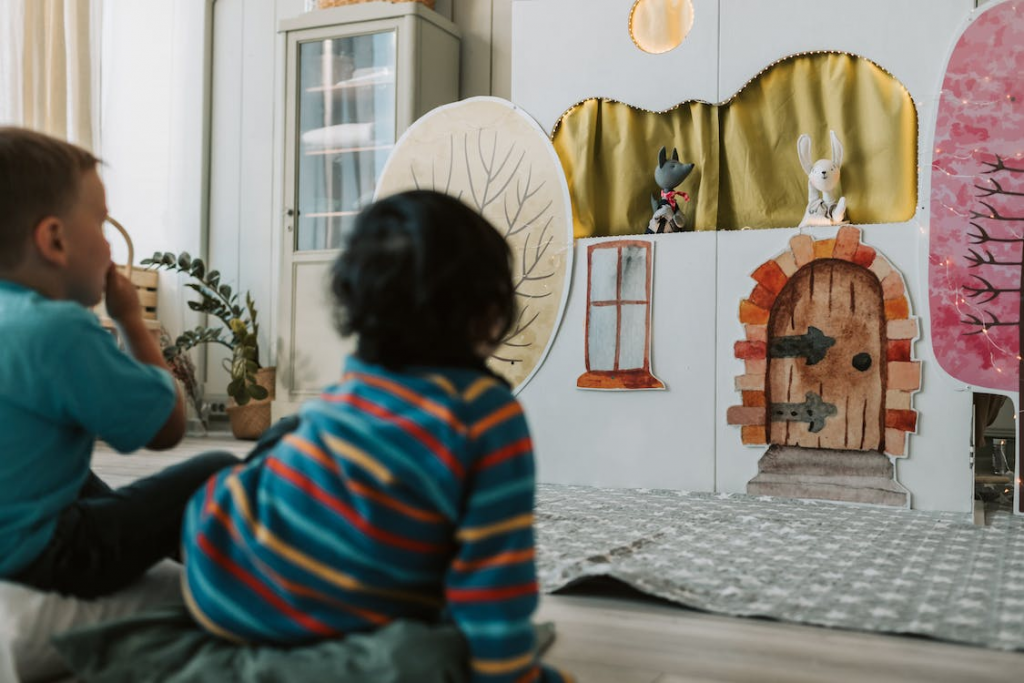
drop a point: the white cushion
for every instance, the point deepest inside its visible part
(29, 617)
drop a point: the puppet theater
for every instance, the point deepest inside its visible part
(767, 253)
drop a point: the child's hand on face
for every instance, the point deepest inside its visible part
(121, 298)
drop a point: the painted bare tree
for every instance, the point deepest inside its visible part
(999, 240)
(501, 185)
(496, 159)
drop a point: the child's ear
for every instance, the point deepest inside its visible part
(49, 240)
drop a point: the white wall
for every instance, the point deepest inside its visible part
(152, 128)
(247, 105)
(486, 27)
(247, 137)
(152, 112)
(153, 118)
(550, 73)
(675, 439)
(549, 54)
(657, 439)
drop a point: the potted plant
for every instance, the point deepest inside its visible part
(252, 385)
(184, 370)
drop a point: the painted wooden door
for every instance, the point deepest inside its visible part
(826, 359)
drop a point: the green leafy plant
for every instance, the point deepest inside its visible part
(222, 303)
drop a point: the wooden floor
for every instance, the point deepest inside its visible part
(611, 635)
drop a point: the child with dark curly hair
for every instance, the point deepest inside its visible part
(406, 490)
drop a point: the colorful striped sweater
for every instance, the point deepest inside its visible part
(399, 495)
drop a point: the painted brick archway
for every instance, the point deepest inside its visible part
(901, 328)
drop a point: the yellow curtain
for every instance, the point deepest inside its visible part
(747, 172)
(611, 172)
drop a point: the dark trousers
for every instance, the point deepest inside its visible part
(108, 538)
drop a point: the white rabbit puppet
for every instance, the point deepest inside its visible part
(823, 177)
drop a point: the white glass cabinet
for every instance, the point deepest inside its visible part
(356, 77)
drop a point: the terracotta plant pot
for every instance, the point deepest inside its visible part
(251, 420)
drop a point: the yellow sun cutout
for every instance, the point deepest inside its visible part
(657, 26)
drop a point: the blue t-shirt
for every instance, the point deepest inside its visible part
(63, 382)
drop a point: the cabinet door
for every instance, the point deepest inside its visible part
(341, 118)
(355, 79)
(346, 128)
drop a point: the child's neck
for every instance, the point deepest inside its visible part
(36, 277)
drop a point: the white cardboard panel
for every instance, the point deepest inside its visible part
(624, 440)
(739, 253)
(936, 470)
(656, 439)
(566, 51)
(909, 38)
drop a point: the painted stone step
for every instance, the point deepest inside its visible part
(825, 462)
(872, 490)
(823, 474)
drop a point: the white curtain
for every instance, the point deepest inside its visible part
(49, 75)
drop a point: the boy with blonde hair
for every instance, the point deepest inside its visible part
(64, 382)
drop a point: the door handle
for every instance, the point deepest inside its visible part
(812, 346)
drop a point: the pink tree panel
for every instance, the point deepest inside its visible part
(977, 203)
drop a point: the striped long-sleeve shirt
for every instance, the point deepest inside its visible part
(399, 495)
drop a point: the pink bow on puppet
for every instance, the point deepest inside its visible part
(670, 197)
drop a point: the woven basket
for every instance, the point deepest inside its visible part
(249, 421)
(324, 4)
(252, 419)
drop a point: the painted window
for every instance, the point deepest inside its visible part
(618, 329)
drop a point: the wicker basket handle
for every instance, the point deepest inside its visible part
(128, 241)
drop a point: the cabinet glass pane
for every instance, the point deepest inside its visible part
(346, 131)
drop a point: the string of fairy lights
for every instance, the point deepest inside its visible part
(739, 91)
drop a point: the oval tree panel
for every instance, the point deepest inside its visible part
(495, 158)
(977, 203)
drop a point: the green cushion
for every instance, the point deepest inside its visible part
(166, 645)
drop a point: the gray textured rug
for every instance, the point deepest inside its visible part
(854, 567)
